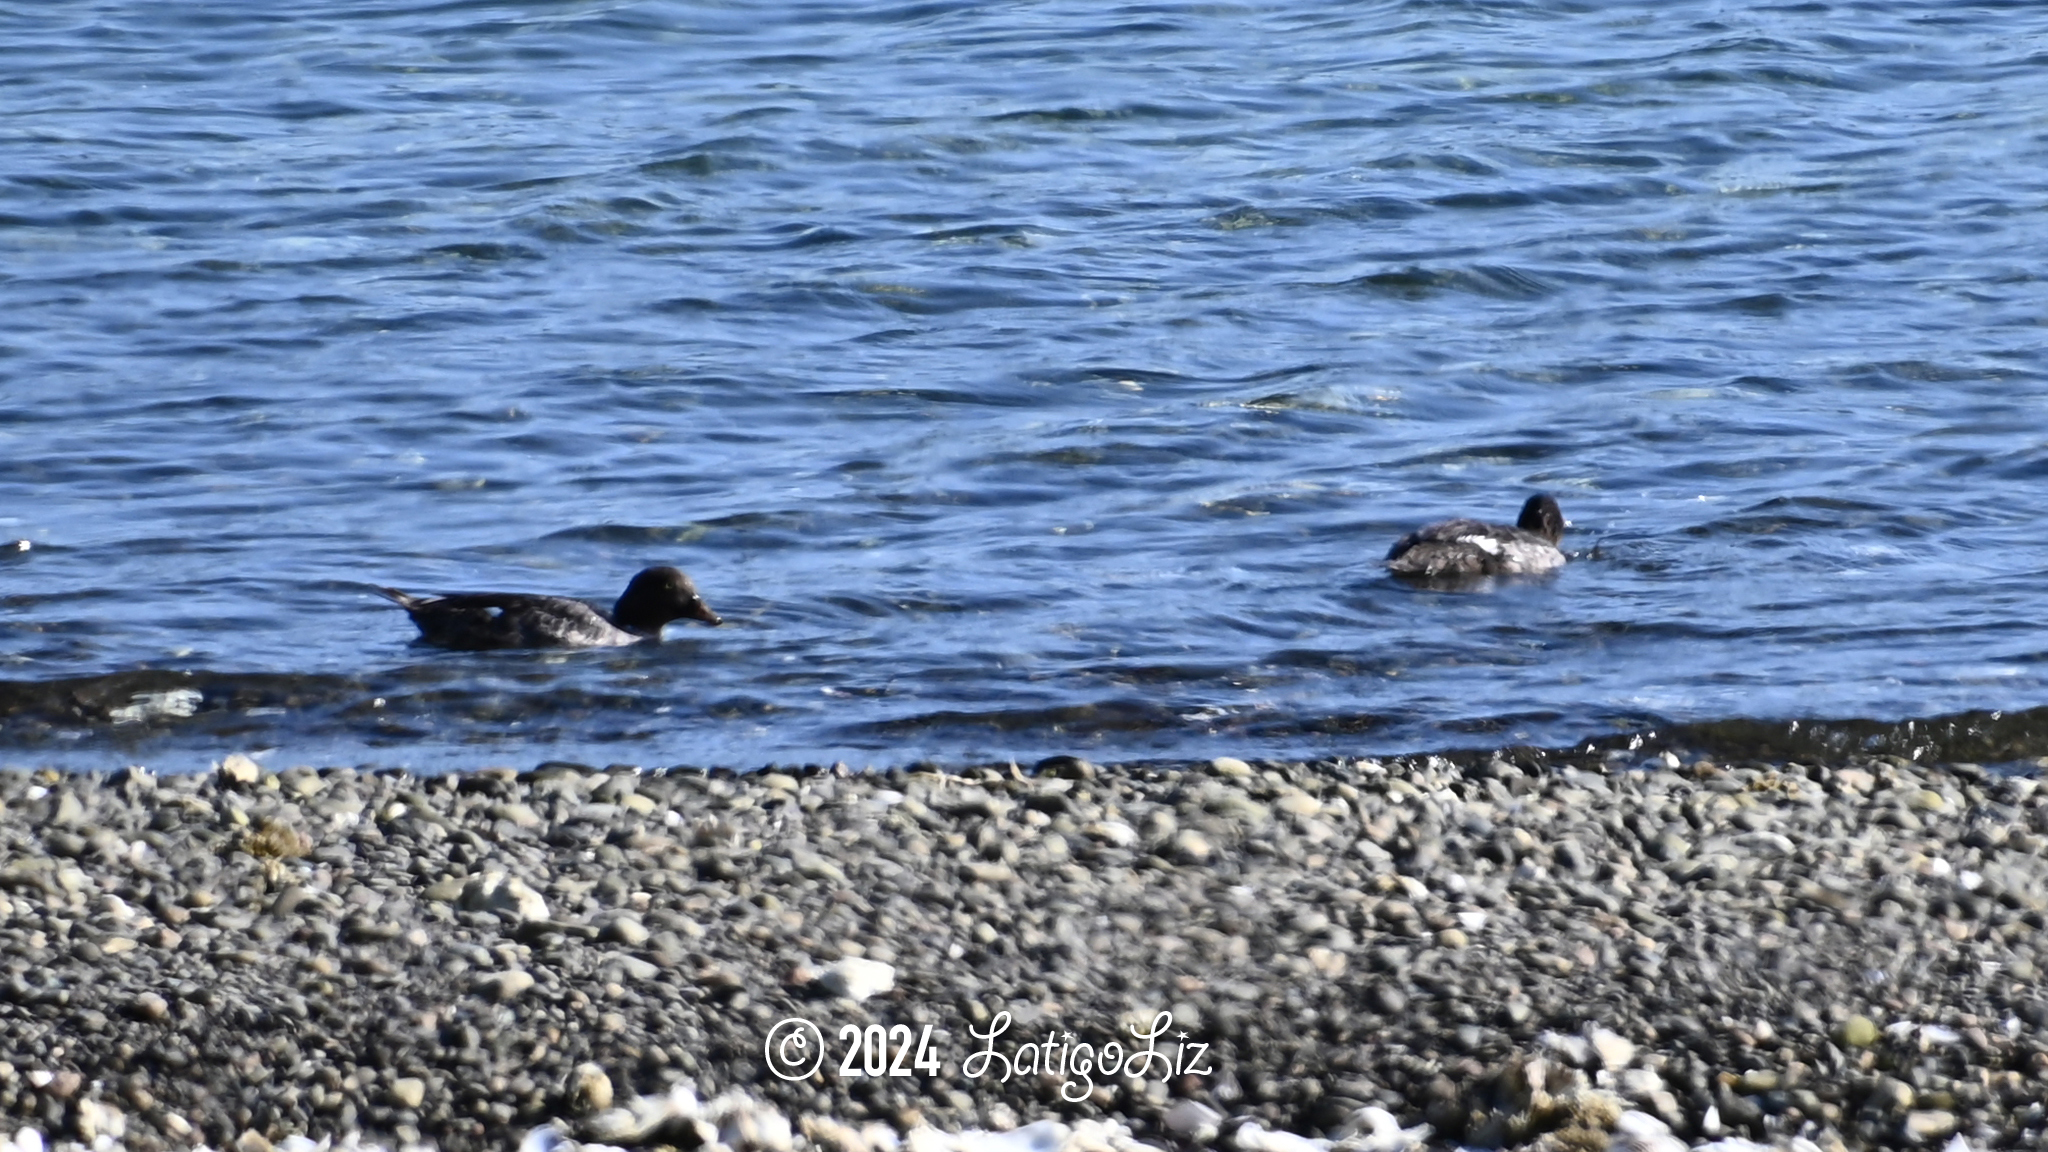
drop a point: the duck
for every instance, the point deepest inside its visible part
(477, 621)
(1469, 549)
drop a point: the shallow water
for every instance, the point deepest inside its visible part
(1015, 379)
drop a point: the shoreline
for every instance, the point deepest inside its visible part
(99, 722)
(1514, 955)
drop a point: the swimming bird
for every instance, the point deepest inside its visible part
(479, 620)
(1467, 549)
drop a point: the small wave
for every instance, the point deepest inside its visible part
(1497, 281)
(1068, 720)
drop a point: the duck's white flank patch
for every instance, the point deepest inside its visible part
(1524, 557)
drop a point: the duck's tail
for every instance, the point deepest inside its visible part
(405, 600)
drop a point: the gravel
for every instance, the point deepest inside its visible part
(1363, 955)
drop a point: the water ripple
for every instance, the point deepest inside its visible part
(1019, 380)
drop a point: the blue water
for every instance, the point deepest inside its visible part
(1014, 378)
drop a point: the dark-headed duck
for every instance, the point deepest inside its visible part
(479, 620)
(1465, 549)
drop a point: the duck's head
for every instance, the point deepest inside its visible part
(659, 595)
(1542, 516)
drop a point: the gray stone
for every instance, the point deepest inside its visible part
(1191, 847)
(506, 985)
(1613, 1050)
(238, 769)
(409, 1091)
(505, 895)
(150, 1006)
(1669, 847)
(589, 1089)
(1930, 1124)
(1193, 1121)
(625, 930)
(519, 814)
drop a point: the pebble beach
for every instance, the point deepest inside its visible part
(1530, 951)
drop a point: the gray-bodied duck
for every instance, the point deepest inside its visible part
(475, 621)
(1468, 549)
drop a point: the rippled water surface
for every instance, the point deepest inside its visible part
(1015, 378)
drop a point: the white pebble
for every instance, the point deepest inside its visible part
(857, 978)
(1253, 1138)
(1642, 1132)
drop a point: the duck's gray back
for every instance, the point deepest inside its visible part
(486, 620)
